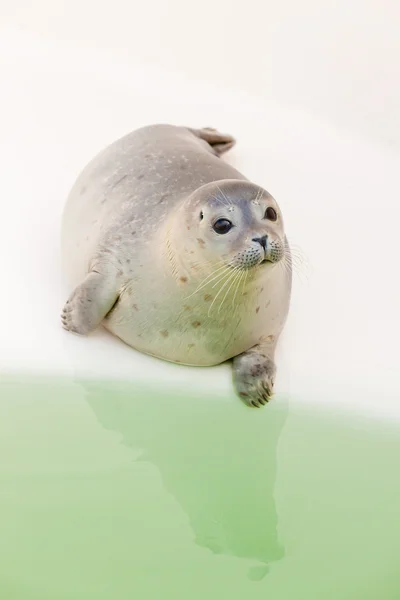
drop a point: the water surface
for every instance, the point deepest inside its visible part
(110, 492)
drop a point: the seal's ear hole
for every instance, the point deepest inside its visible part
(201, 215)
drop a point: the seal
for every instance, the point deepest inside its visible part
(179, 255)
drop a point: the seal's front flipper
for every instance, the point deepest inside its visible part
(89, 303)
(254, 375)
(219, 142)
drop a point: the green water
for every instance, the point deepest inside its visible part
(112, 493)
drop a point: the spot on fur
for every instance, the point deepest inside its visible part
(164, 333)
(183, 279)
(196, 324)
(266, 339)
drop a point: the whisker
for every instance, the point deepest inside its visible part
(293, 267)
(259, 194)
(244, 282)
(301, 263)
(207, 263)
(223, 195)
(236, 273)
(225, 274)
(297, 251)
(219, 291)
(298, 259)
(286, 266)
(238, 280)
(220, 201)
(217, 273)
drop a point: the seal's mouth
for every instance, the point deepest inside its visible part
(255, 256)
(266, 261)
(266, 258)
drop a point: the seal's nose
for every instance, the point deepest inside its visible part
(262, 241)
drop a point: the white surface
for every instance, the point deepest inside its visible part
(335, 58)
(339, 195)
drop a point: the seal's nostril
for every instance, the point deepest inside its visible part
(261, 240)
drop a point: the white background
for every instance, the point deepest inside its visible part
(311, 91)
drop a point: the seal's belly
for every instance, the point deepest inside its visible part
(191, 335)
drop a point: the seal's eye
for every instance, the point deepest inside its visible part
(270, 214)
(222, 226)
(201, 216)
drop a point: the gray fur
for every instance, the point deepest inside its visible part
(140, 251)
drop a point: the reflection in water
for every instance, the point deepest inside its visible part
(217, 460)
(82, 519)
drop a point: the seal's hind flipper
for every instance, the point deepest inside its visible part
(219, 142)
(89, 303)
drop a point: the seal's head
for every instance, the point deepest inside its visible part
(235, 222)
